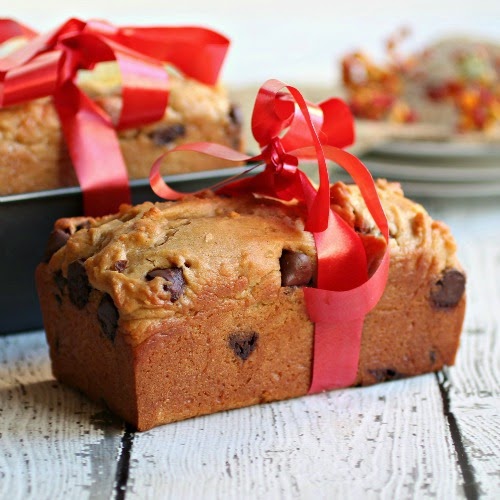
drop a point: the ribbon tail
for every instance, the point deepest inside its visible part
(94, 150)
(342, 265)
(339, 318)
(364, 180)
(336, 354)
(339, 305)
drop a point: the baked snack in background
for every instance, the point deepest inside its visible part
(34, 157)
(448, 90)
(172, 310)
(457, 81)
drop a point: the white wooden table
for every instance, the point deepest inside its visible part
(436, 435)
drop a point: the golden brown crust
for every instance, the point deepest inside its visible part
(34, 156)
(230, 334)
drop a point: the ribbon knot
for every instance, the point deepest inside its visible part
(48, 64)
(275, 156)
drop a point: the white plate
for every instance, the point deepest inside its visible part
(434, 189)
(429, 149)
(428, 172)
(450, 190)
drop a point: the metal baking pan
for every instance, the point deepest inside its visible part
(25, 223)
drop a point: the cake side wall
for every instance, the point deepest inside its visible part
(226, 357)
(82, 356)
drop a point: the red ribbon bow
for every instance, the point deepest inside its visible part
(48, 65)
(345, 293)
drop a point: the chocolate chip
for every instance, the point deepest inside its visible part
(385, 374)
(363, 229)
(57, 344)
(108, 315)
(78, 284)
(57, 239)
(296, 268)
(58, 298)
(83, 225)
(120, 265)
(235, 126)
(432, 357)
(166, 135)
(60, 281)
(174, 278)
(243, 343)
(448, 290)
(235, 115)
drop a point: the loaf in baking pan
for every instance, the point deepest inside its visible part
(34, 157)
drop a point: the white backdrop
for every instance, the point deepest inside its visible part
(296, 42)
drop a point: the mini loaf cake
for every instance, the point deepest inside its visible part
(171, 310)
(33, 155)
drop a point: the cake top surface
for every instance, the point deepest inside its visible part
(174, 258)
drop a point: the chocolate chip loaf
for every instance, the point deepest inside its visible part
(171, 310)
(33, 155)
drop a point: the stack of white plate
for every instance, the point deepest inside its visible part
(436, 169)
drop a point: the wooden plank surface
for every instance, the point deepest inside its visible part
(388, 441)
(431, 436)
(473, 386)
(54, 443)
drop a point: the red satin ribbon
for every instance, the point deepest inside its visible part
(48, 64)
(289, 130)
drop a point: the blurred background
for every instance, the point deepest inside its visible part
(444, 147)
(298, 42)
